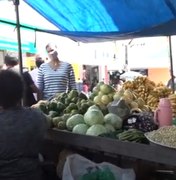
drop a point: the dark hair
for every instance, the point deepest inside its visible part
(11, 91)
(10, 60)
(39, 61)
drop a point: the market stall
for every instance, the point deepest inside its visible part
(152, 153)
(114, 124)
(144, 101)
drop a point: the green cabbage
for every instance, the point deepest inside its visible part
(96, 130)
(93, 116)
(109, 128)
(74, 120)
(80, 129)
(94, 107)
(114, 120)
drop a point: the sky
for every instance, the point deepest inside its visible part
(27, 15)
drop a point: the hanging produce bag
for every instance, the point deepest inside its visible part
(79, 168)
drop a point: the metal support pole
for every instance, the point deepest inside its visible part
(171, 64)
(126, 54)
(16, 3)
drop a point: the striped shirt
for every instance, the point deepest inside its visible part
(51, 81)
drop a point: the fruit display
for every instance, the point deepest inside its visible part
(74, 120)
(77, 113)
(146, 91)
(94, 123)
(113, 120)
(102, 94)
(64, 106)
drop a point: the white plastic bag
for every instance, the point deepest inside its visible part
(76, 166)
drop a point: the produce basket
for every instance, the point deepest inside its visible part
(164, 136)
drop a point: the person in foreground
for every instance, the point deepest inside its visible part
(55, 76)
(22, 131)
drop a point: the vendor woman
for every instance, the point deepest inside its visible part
(22, 131)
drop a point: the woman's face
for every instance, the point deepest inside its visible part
(52, 52)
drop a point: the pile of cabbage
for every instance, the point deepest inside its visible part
(93, 122)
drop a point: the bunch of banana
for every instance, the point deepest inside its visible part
(130, 99)
(138, 105)
(160, 91)
(141, 87)
(148, 91)
(172, 98)
(129, 85)
(152, 102)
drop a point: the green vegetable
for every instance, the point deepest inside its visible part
(73, 94)
(65, 117)
(106, 89)
(60, 107)
(113, 135)
(96, 130)
(94, 107)
(93, 116)
(109, 128)
(52, 106)
(106, 174)
(80, 129)
(67, 101)
(99, 174)
(74, 120)
(132, 135)
(56, 120)
(114, 120)
(52, 114)
(73, 106)
(61, 125)
(84, 106)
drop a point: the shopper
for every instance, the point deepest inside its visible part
(85, 87)
(55, 76)
(22, 131)
(79, 85)
(11, 63)
(34, 72)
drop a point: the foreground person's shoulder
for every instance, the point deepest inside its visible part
(34, 111)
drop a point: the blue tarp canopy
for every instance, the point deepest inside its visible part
(104, 20)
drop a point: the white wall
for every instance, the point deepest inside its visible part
(149, 53)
